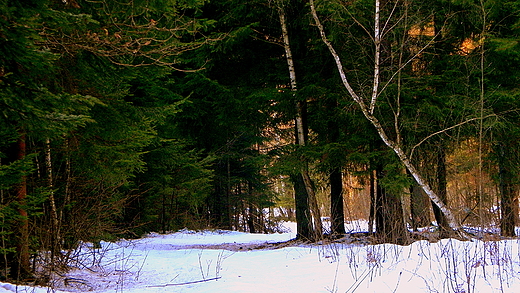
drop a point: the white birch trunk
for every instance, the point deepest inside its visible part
(300, 131)
(52, 201)
(368, 113)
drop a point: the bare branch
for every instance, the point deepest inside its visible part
(185, 283)
(339, 65)
(124, 42)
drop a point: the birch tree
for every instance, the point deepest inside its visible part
(368, 102)
(307, 210)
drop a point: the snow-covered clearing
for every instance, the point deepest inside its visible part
(223, 261)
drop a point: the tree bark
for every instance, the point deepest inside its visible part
(508, 193)
(373, 207)
(389, 218)
(55, 237)
(22, 265)
(304, 227)
(337, 216)
(419, 207)
(442, 185)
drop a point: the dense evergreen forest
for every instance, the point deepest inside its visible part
(125, 117)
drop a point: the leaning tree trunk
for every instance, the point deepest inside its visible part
(305, 197)
(368, 112)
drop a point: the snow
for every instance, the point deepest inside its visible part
(225, 261)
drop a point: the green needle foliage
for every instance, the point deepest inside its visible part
(126, 117)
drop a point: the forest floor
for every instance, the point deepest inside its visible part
(226, 261)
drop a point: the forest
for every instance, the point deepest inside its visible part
(120, 118)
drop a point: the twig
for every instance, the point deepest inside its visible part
(457, 125)
(185, 283)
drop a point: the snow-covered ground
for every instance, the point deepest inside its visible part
(223, 261)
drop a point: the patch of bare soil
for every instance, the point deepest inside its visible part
(353, 238)
(243, 246)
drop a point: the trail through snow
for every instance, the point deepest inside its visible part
(224, 261)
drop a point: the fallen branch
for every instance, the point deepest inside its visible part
(185, 283)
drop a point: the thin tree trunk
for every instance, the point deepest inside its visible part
(68, 181)
(442, 191)
(397, 148)
(336, 203)
(22, 263)
(55, 237)
(252, 215)
(373, 207)
(508, 194)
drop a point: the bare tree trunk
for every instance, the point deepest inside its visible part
(442, 191)
(22, 265)
(337, 213)
(368, 113)
(373, 207)
(508, 193)
(390, 224)
(303, 218)
(311, 208)
(337, 216)
(55, 237)
(419, 207)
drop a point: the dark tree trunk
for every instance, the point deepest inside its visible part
(442, 222)
(218, 209)
(163, 213)
(389, 218)
(251, 219)
(337, 215)
(508, 193)
(373, 207)
(419, 207)
(22, 266)
(336, 203)
(254, 216)
(304, 228)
